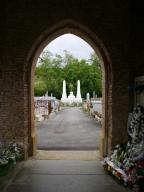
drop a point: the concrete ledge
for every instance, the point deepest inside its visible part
(68, 155)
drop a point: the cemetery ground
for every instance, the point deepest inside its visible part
(69, 129)
(60, 176)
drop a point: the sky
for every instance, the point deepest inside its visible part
(73, 44)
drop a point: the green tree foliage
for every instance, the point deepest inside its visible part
(52, 70)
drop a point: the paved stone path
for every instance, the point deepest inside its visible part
(62, 176)
(70, 129)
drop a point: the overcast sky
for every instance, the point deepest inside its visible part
(73, 44)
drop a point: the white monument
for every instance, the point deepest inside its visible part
(64, 95)
(71, 98)
(46, 95)
(88, 97)
(78, 96)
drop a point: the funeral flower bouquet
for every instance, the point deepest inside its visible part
(11, 154)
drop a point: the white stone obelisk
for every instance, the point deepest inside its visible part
(88, 97)
(78, 96)
(64, 95)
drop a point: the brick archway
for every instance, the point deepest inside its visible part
(73, 27)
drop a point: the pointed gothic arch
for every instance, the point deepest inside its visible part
(73, 27)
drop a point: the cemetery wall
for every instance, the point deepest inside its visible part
(23, 25)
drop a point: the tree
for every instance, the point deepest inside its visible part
(39, 88)
(52, 70)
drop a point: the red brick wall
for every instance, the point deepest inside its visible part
(24, 23)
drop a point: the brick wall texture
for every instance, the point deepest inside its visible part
(111, 26)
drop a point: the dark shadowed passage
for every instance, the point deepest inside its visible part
(63, 176)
